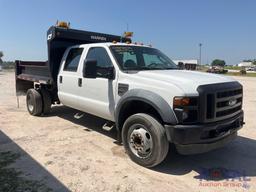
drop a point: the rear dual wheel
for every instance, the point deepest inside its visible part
(38, 102)
(34, 102)
(47, 101)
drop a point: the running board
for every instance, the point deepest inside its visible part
(108, 126)
(78, 115)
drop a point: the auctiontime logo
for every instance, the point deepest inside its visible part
(222, 177)
(232, 102)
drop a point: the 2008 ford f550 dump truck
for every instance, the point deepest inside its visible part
(137, 89)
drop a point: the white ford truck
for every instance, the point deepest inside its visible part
(137, 89)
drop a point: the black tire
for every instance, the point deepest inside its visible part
(160, 144)
(34, 102)
(47, 101)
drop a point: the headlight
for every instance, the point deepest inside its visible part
(181, 101)
(186, 109)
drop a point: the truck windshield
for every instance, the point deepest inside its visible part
(141, 58)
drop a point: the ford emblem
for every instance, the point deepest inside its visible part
(232, 102)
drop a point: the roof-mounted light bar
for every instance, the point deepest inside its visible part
(128, 34)
(63, 24)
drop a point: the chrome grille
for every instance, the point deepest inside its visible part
(220, 101)
(228, 103)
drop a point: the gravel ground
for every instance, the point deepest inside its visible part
(61, 153)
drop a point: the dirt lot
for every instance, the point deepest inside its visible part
(61, 153)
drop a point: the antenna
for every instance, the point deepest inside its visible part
(127, 33)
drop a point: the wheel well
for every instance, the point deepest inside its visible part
(132, 107)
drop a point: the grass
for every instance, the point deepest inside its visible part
(238, 74)
(8, 70)
(235, 74)
(11, 180)
(232, 67)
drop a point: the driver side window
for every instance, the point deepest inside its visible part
(104, 63)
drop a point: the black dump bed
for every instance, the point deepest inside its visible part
(58, 40)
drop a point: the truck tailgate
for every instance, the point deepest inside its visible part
(28, 72)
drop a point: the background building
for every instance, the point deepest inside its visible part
(245, 64)
(188, 64)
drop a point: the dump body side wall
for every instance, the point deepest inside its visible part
(58, 40)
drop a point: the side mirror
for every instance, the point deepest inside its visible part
(111, 73)
(90, 68)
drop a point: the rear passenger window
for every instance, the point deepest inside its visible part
(73, 59)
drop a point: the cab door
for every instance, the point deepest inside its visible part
(97, 96)
(68, 78)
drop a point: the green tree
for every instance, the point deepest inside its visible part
(218, 62)
(1, 55)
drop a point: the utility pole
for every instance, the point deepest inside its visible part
(200, 53)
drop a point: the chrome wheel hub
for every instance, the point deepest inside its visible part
(141, 143)
(30, 103)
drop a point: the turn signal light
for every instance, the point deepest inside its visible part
(181, 101)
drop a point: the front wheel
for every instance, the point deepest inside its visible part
(145, 140)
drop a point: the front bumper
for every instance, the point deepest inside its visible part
(191, 139)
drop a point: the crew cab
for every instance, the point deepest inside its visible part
(137, 89)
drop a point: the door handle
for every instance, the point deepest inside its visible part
(80, 82)
(60, 79)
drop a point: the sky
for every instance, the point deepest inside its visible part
(226, 28)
